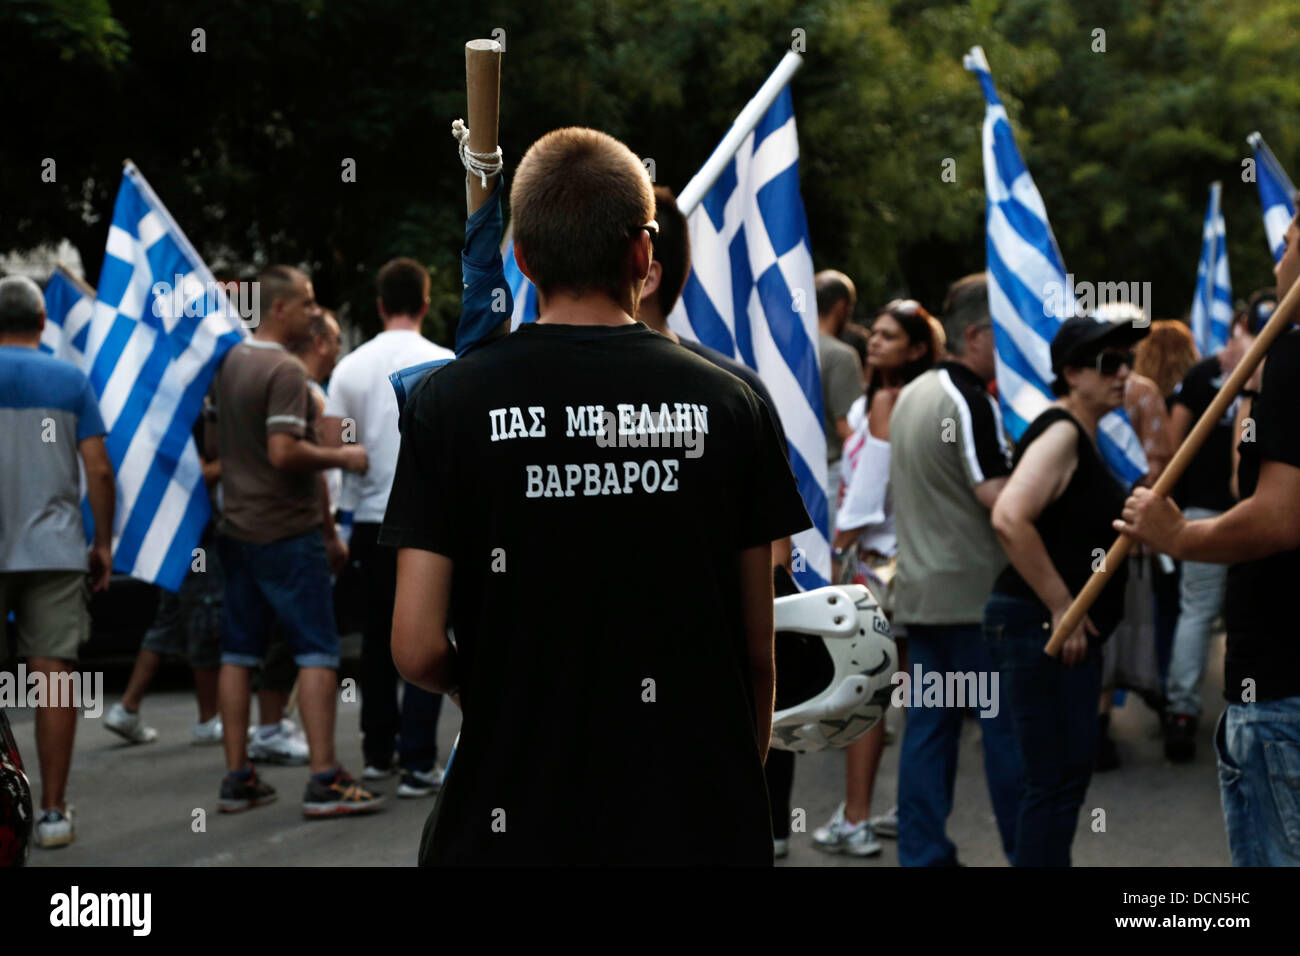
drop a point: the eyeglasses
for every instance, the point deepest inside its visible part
(651, 227)
(1109, 363)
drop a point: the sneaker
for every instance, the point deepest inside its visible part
(840, 836)
(377, 773)
(207, 731)
(55, 829)
(780, 848)
(238, 795)
(128, 726)
(341, 797)
(416, 783)
(886, 825)
(283, 746)
(1180, 737)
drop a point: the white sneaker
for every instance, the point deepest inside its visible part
(886, 825)
(416, 783)
(378, 773)
(282, 746)
(55, 829)
(207, 731)
(840, 836)
(128, 726)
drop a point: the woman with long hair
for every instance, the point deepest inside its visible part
(901, 346)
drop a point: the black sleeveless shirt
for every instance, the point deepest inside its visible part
(1075, 525)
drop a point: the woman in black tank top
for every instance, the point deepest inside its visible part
(1054, 520)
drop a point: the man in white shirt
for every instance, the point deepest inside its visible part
(361, 407)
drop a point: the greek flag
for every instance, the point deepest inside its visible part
(749, 295)
(1029, 294)
(1276, 194)
(69, 305)
(159, 328)
(522, 293)
(1212, 307)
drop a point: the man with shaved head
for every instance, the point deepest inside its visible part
(842, 380)
(274, 533)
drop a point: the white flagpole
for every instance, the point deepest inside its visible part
(703, 181)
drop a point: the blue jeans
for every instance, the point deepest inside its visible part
(1054, 709)
(928, 761)
(1200, 602)
(288, 580)
(1258, 749)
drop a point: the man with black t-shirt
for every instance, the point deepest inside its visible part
(1203, 492)
(606, 502)
(1257, 741)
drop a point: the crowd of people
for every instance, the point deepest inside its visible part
(590, 703)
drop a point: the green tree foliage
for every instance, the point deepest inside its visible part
(246, 141)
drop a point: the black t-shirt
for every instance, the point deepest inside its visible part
(608, 701)
(1262, 642)
(746, 375)
(1205, 482)
(1076, 526)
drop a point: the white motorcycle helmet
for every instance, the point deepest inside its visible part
(840, 674)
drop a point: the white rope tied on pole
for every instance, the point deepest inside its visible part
(481, 165)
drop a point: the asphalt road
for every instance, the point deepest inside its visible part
(136, 805)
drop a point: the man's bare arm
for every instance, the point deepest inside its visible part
(756, 611)
(297, 454)
(423, 654)
(101, 489)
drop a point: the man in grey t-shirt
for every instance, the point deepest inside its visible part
(842, 381)
(948, 465)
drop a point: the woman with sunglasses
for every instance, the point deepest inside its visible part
(1054, 520)
(900, 347)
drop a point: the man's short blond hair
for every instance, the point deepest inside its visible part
(578, 197)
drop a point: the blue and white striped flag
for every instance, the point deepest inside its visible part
(1029, 293)
(750, 295)
(69, 306)
(1276, 194)
(522, 293)
(161, 326)
(1212, 306)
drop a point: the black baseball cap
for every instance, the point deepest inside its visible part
(1079, 339)
(1260, 309)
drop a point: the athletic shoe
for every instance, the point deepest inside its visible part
(238, 795)
(886, 825)
(1180, 737)
(377, 773)
(341, 797)
(417, 783)
(840, 836)
(207, 731)
(55, 829)
(780, 848)
(283, 746)
(128, 726)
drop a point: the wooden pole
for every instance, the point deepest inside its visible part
(483, 93)
(1277, 324)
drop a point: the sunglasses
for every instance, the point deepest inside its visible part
(651, 227)
(1109, 363)
(902, 306)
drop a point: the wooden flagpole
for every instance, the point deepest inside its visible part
(1278, 323)
(483, 94)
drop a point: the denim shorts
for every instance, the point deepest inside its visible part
(1258, 751)
(288, 581)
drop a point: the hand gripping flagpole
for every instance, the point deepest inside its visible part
(1279, 322)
